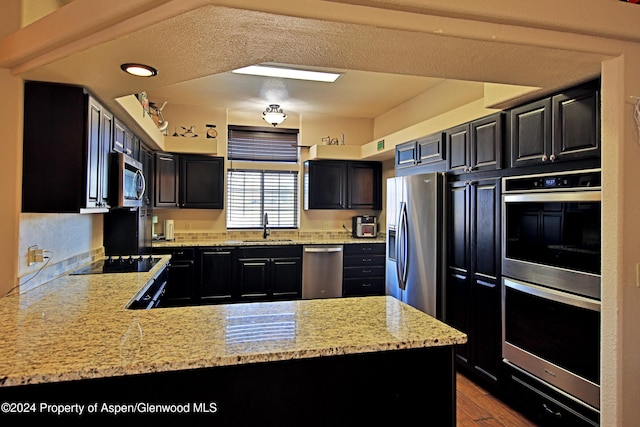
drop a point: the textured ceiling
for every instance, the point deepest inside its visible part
(383, 66)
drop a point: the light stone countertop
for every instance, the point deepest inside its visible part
(78, 327)
(261, 242)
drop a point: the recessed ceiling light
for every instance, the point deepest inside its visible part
(139, 70)
(288, 73)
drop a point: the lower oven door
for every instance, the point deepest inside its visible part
(554, 336)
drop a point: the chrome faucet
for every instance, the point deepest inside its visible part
(265, 231)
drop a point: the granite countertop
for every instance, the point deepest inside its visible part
(268, 241)
(78, 327)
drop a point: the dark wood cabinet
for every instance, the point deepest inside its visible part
(181, 283)
(338, 184)
(66, 143)
(166, 181)
(476, 146)
(189, 181)
(426, 153)
(201, 182)
(563, 127)
(576, 124)
(458, 142)
(269, 273)
(216, 277)
(473, 278)
(531, 133)
(363, 269)
(124, 141)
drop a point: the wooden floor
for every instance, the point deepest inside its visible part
(476, 407)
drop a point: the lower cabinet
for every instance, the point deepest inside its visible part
(473, 274)
(363, 273)
(181, 281)
(269, 273)
(216, 278)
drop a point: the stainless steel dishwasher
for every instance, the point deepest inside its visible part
(321, 271)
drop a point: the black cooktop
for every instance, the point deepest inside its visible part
(120, 264)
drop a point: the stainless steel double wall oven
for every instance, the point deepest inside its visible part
(551, 228)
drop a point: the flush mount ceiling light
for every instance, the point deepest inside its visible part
(139, 70)
(274, 115)
(288, 73)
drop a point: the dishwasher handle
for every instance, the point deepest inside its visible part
(320, 250)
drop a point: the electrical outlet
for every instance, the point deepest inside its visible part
(325, 225)
(34, 255)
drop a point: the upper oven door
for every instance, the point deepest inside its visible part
(553, 238)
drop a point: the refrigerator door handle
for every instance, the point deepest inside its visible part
(403, 247)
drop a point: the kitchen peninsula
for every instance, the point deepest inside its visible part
(73, 341)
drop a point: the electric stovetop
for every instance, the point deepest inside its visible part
(120, 264)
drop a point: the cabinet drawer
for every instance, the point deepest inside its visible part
(269, 251)
(368, 271)
(364, 248)
(176, 253)
(363, 286)
(363, 260)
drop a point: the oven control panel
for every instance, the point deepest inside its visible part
(560, 181)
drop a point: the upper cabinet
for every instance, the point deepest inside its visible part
(339, 184)
(124, 141)
(476, 146)
(67, 140)
(563, 127)
(426, 153)
(189, 181)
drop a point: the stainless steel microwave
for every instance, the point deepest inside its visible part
(128, 183)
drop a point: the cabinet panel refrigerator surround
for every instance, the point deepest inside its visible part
(414, 241)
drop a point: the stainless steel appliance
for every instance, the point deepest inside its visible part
(364, 226)
(415, 212)
(128, 182)
(551, 280)
(322, 271)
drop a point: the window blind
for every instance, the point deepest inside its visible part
(251, 193)
(262, 144)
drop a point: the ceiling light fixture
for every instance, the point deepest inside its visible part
(288, 73)
(139, 70)
(274, 115)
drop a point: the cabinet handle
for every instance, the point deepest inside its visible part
(545, 158)
(552, 157)
(366, 259)
(366, 285)
(366, 271)
(551, 411)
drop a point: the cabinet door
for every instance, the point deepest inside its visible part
(99, 134)
(531, 133)
(458, 244)
(458, 149)
(485, 338)
(166, 180)
(182, 275)
(286, 278)
(406, 155)
(486, 143)
(253, 278)
(431, 149)
(326, 185)
(216, 274)
(119, 137)
(364, 185)
(576, 124)
(201, 182)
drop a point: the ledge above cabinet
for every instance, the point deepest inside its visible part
(179, 144)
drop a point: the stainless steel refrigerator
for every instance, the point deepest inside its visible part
(415, 239)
